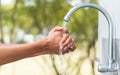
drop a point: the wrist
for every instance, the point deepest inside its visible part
(41, 46)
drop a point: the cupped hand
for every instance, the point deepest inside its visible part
(59, 39)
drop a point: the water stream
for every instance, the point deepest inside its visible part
(61, 54)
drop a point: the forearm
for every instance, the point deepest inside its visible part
(6, 44)
(10, 53)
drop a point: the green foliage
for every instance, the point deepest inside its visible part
(48, 13)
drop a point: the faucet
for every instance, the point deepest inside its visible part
(111, 63)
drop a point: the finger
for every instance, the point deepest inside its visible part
(72, 45)
(66, 30)
(58, 28)
(72, 48)
(67, 42)
(72, 42)
(69, 50)
(65, 37)
(65, 51)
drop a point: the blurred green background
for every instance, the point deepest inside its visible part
(25, 21)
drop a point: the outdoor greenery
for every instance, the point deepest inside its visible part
(35, 18)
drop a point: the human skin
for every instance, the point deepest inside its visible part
(57, 39)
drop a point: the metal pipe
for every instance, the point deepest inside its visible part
(101, 68)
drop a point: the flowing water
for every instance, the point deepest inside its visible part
(61, 54)
(64, 24)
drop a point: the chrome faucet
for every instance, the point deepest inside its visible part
(111, 63)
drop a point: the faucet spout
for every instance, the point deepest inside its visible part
(101, 68)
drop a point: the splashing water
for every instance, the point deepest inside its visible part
(60, 55)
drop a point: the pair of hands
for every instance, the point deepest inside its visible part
(58, 39)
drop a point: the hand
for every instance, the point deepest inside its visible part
(67, 44)
(53, 40)
(59, 39)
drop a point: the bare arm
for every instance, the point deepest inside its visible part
(50, 45)
(10, 53)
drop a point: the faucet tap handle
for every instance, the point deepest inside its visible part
(106, 68)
